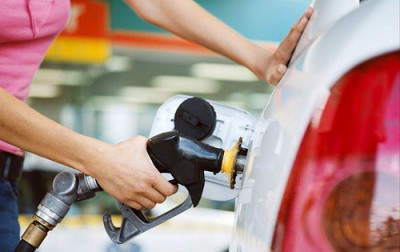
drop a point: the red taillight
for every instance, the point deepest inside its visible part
(344, 192)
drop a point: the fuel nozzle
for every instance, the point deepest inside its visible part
(187, 159)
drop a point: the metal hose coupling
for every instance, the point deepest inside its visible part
(67, 188)
(36, 231)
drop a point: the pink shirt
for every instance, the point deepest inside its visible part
(27, 28)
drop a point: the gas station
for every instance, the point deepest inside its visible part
(288, 142)
(107, 75)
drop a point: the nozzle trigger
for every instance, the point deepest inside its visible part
(134, 222)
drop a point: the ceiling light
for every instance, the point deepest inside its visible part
(181, 84)
(226, 72)
(44, 91)
(118, 64)
(59, 77)
(145, 95)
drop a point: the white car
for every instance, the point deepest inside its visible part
(322, 172)
(323, 165)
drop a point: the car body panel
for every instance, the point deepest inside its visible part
(324, 55)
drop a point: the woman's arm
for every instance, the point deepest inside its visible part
(190, 21)
(124, 170)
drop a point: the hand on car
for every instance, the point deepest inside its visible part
(276, 65)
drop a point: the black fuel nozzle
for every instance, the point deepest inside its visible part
(185, 159)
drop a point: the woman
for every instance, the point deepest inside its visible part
(124, 170)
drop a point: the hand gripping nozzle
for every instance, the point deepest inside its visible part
(186, 160)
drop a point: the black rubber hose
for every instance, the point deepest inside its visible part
(23, 246)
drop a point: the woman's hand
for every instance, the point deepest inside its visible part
(123, 170)
(128, 175)
(276, 64)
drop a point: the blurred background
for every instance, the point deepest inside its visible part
(107, 74)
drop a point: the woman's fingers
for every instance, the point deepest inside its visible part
(280, 58)
(286, 48)
(276, 74)
(163, 186)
